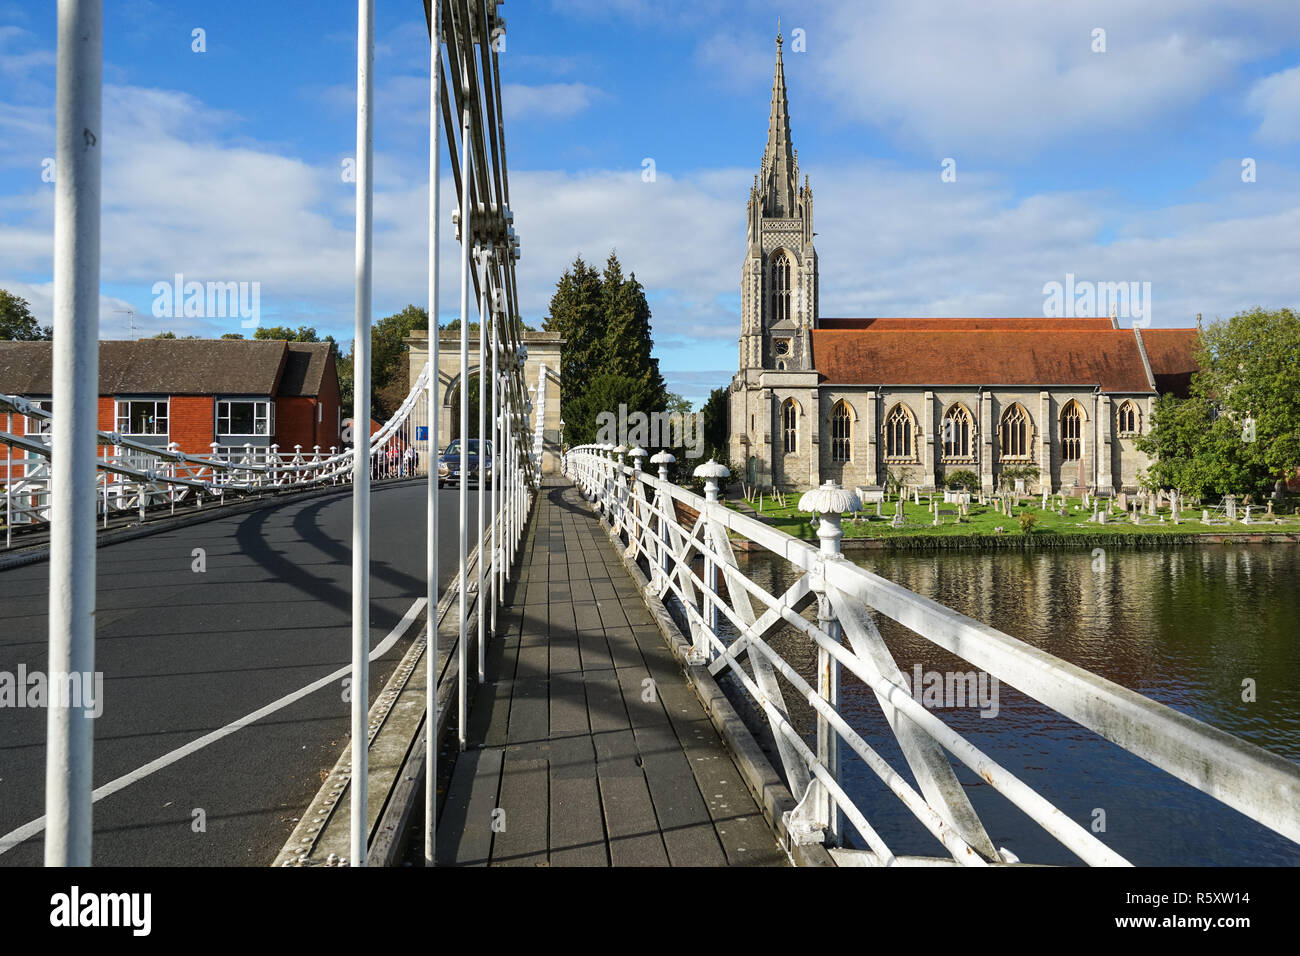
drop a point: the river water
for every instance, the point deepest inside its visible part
(1184, 626)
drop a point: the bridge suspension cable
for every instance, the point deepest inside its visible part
(65, 477)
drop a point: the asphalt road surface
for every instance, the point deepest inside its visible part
(185, 654)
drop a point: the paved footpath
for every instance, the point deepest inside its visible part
(586, 746)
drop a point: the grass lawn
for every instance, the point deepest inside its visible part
(984, 520)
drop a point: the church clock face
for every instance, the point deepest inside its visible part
(782, 346)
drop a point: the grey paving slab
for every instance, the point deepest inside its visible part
(585, 739)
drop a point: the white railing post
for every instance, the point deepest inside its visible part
(431, 453)
(358, 827)
(9, 483)
(711, 471)
(69, 770)
(636, 533)
(829, 502)
(663, 459)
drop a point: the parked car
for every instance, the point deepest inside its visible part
(449, 462)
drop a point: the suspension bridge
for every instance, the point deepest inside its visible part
(584, 645)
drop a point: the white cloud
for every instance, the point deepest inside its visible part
(1002, 76)
(1277, 99)
(547, 100)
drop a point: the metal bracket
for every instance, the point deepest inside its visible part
(801, 822)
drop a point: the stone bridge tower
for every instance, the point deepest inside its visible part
(541, 372)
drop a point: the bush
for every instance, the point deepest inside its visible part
(1010, 473)
(1027, 520)
(964, 480)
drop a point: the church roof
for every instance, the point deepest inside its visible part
(992, 352)
(882, 323)
(1172, 354)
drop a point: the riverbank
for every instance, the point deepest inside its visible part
(987, 528)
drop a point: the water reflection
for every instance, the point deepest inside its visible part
(1184, 626)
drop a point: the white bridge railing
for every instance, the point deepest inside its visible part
(135, 477)
(685, 544)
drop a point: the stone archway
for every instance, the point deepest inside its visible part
(541, 370)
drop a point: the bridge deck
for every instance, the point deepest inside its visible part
(585, 735)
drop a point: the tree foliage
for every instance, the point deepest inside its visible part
(716, 423)
(304, 333)
(605, 322)
(1238, 431)
(17, 324)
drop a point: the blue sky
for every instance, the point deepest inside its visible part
(1119, 165)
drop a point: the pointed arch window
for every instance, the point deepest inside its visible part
(780, 287)
(790, 426)
(898, 434)
(1071, 432)
(958, 429)
(1013, 433)
(841, 432)
(1128, 418)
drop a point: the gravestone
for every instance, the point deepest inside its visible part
(1231, 504)
(1101, 516)
(1205, 516)
(1122, 501)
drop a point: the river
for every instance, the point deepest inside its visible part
(1185, 626)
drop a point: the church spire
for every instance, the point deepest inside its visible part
(780, 169)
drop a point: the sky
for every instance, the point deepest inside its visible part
(1109, 140)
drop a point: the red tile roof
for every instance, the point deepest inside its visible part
(1106, 358)
(1172, 354)
(883, 324)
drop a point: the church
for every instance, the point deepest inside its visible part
(858, 399)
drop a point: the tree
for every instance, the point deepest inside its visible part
(717, 423)
(576, 314)
(1238, 431)
(17, 324)
(173, 335)
(304, 333)
(605, 322)
(454, 326)
(604, 393)
(232, 335)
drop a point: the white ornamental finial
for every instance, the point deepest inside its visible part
(829, 502)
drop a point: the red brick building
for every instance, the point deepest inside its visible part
(194, 392)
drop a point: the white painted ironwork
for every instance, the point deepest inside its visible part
(669, 528)
(78, 146)
(63, 475)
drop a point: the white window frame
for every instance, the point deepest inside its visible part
(122, 416)
(41, 426)
(266, 407)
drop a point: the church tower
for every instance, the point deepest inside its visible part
(779, 277)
